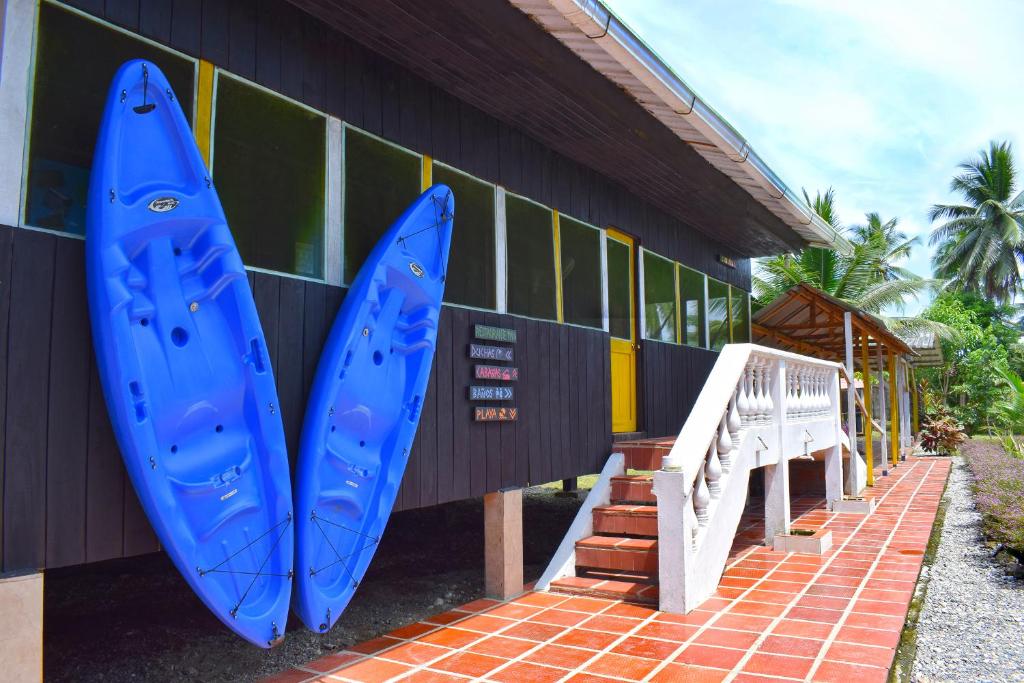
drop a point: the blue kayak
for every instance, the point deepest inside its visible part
(365, 405)
(183, 361)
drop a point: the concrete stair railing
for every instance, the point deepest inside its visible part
(759, 408)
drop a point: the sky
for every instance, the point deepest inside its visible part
(878, 99)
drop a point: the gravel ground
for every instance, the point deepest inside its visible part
(972, 625)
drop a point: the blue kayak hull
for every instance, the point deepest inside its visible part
(183, 361)
(365, 405)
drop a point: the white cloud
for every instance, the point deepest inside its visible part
(878, 99)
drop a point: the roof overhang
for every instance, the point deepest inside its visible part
(806, 320)
(598, 37)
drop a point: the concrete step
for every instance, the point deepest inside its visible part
(617, 554)
(633, 489)
(628, 591)
(626, 520)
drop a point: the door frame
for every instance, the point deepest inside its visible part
(634, 290)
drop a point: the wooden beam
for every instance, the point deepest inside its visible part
(894, 412)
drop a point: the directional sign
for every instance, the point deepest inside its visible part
(501, 334)
(498, 372)
(495, 414)
(490, 393)
(501, 353)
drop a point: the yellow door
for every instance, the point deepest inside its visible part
(622, 326)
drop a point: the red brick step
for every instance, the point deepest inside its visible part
(618, 554)
(626, 520)
(630, 591)
(633, 489)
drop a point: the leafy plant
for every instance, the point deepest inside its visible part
(941, 433)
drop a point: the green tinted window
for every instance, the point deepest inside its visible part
(381, 180)
(581, 272)
(740, 316)
(718, 314)
(269, 165)
(691, 299)
(76, 59)
(530, 255)
(659, 298)
(619, 295)
(470, 280)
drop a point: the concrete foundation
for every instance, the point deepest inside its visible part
(21, 628)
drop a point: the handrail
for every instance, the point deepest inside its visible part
(859, 400)
(703, 422)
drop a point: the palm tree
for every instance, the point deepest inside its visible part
(896, 242)
(981, 241)
(869, 277)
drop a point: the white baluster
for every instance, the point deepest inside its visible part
(733, 422)
(713, 470)
(769, 404)
(743, 398)
(701, 498)
(822, 393)
(723, 444)
(762, 404)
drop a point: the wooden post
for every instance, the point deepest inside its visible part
(503, 544)
(869, 446)
(894, 413)
(881, 412)
(913, 401)
(21, 630)
(857, 477)
(569, 485)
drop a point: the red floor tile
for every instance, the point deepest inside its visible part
(331, 662)
(500, 646)
(705, 655)
(686, 673)
(778, 665)
(415, 653)
(621, 666)
(612, 624)
(560, 617)
(450, 637)
(412, 630)
(839, 672)
(727, 638)
(521, 672)
(372, 671)
(428, 676)
(375, 645)
(678, 633)
(531, 630)
(788, 645)
(861, 654)
(468, 663)
(560, 656)
(646, 647)
(591, 640)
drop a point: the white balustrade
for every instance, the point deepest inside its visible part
(759, 408)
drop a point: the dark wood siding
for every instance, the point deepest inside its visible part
(65, 496)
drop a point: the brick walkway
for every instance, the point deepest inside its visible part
(775, 617)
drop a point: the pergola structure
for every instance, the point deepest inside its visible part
(808, 321)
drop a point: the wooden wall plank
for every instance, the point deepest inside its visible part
(216, 31)
(445, 417)
(6, 263)
(155, 19)
(186, 26)
(266, 291)
(139, 536)
(315, 327)
(104, 497)
(467, 452)
(242, 39)
(28, 360)
(123, 12)
(293, 49)
(68, 420)
(289, 368)
(269, 21)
